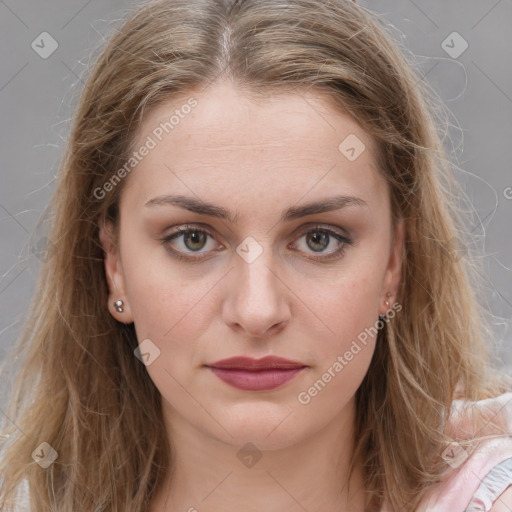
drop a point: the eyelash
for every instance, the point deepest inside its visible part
(338, 253)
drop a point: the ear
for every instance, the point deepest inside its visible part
(114, 274)
(393, 273)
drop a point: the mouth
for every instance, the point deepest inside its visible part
(250, 374)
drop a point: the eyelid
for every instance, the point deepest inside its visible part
(343, 237)
(186, 228)
(310, 226)
(344, 240)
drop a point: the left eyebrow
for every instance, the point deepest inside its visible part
(294, 212)
(324, 205)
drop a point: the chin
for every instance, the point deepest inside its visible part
(262, 440)
(267, 426)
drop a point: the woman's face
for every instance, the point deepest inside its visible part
(290, 253)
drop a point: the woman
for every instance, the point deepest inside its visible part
(254, 297)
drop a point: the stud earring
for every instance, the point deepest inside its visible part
(119, 306)
(387, 302)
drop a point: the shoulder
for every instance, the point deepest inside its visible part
(504, 502)
(480, 474)
(22, 498)
(495, 490)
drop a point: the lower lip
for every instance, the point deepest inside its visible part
(256, 380)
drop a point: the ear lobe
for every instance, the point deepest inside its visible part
(114, 274)
(394, 269)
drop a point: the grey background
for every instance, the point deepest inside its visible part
(37, 97)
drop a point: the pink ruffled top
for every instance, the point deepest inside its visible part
(476, 478)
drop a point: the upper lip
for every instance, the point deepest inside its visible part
(247, 363)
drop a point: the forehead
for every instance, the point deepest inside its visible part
(289, 141)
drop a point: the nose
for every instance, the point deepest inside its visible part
(257, 300)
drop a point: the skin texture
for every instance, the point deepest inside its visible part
(255, 159)
(504, 502)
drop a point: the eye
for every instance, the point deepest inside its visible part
(320, 238)
(188, 239)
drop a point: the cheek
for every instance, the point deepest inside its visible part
(169, 310)
(341, 308)
(349, 314)
(159, 294)
(331, 389)
(173, 310)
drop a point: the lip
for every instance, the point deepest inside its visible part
(248, 363)
(249, 374)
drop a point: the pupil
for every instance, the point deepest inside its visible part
(196, 238)
(319, 239)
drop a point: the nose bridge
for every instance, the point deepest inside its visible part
(257, 279)
(257, 300)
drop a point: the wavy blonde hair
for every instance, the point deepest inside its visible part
(81, 389)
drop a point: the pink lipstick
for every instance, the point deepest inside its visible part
(249, 374)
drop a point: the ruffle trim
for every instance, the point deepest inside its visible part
(493, 485)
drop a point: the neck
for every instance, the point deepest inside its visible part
(312, 474)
